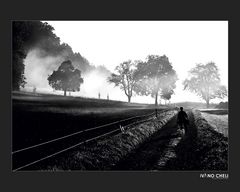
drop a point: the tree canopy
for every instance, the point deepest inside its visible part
(28, 35)
(66, 78)
(125, 78)
(204, 81)
(25, 35)
(155, 75)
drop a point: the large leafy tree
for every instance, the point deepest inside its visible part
(154, 76)
(204, 80)
(26, 35)
(124, 78)
(66, 78)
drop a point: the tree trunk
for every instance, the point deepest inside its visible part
(156, 99)
(207, 101)
(65, 92)
(129, 99)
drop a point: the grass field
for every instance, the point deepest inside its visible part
(218, 119)
(39, 118)
(215, 111)
(212, 146)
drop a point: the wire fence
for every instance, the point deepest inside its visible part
(121, 128)
(66, 149)
(79, 132)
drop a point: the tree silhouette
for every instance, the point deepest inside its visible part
(154, 76)
(205, 82)
(26, 35)
(66, 78)
(124, 78)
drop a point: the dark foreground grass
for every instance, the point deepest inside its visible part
(151, 152)
(212, 146)
(105, 153)
(202, 148)
(31, 128)
(40, 118)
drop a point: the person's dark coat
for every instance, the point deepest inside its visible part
(182, 118)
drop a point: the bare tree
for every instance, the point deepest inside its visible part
(124, 78)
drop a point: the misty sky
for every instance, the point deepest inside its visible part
(185, 43)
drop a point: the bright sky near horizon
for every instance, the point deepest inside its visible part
(185, 43)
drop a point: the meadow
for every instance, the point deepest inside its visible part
(39, 118)
(218, 119)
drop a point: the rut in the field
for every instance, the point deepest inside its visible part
(167, 149)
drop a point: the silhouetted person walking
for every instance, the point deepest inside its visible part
(182, 119)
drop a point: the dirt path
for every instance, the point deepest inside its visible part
(167, 149)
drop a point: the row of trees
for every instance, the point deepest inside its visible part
(155, 77)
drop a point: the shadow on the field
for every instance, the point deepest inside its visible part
(186, 158)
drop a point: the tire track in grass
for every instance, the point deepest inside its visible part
(185, 157)
(200, 149)
(148, 154)
(167, 149)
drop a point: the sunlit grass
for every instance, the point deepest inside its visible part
(218, 122)
(212, 146)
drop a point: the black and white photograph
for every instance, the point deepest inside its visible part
(119, 95)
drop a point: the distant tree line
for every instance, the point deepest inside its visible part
(156, 77)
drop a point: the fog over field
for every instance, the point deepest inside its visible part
(69, 79)
(38, 69)
(105, 44)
